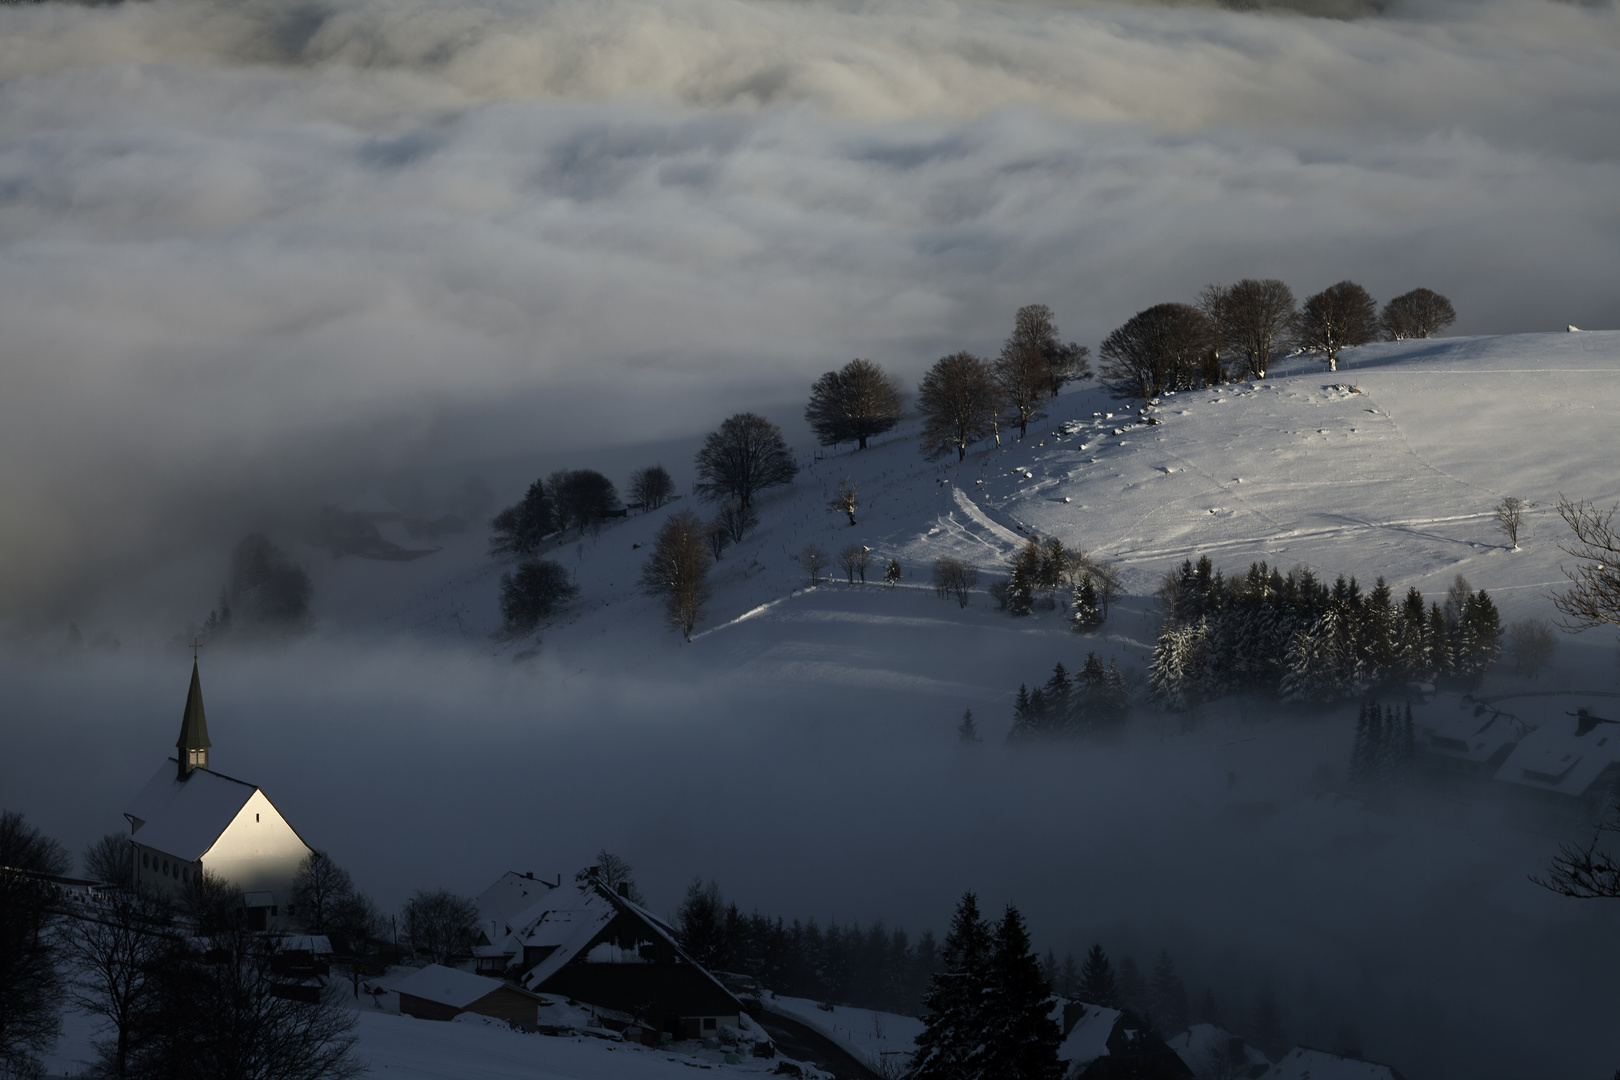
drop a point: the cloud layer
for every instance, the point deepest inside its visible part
(252, 254)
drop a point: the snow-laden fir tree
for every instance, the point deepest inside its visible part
(1020, 1037)
(1176, 674)
(951, 1045)
(1086, 615)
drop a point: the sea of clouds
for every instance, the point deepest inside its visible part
(253, 254)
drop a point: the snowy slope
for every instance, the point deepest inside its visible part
(1396, 477)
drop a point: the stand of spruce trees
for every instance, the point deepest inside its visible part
(1298, 638)
(1093, 702)
(987, 1013)
(1382, 753)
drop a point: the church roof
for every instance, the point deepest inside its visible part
(193, 725)
(183, 818)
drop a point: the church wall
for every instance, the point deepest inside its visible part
(258, 851)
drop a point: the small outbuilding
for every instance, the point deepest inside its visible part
(1304, 1063)
(440, 993)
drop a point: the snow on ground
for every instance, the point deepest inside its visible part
(869, 1035)
(1395, 477)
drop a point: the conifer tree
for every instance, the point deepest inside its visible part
(1208, 1012)
(967, 732)
(1377, 652)
(1438, 640)
(891, 573)
(1361, 748)
(1097, 985)
(1132, 987)
(951, 1044)
(1087, 616)
(1068, 980)
(1411, 644)
(1167, 997)
(1267, 1030)
(1116, 695)
(1056, 697)
(1020, 1038)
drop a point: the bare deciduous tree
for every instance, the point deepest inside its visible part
(1586, 871)
(959, 401)
(717, 538)
(112, 954)
(854, 559)
(29, 979)
(583, 497)
(742, 457)
(1337, 318)
(442, 926)
(1420, 313)
(677, 570)
(1593, 596)
(611, 871)
(848, 499)
(1509, 515)
(651, 486)
(110, 860)
(953, 577)
(1259, 318)
(852, 404)
(814, 561)
(1023, 379)
(737, 521)
(1530, 644)
(1156, 350)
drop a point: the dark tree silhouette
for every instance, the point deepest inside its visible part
(1420, 313)
(583, 497)
(677, 570)
(520, 528)
(852, 404)
(959, 400)
(268, 591)
(1020, 1037)
(1339, 317)
(651, 487)
(532, 592)
(1593, 596)
(951, 1045)
(1097, 985)
(1259, 318)
(441, 925)
(1158, 349)
(742, 457)
(110, 859)
(29, 980)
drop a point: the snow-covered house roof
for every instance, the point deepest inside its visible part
(511, 894)
(1088, 1039)
(1567, 754)
(1303, 1063)
(447, 986)
(1475, 736)
(184, 817)
(567, 931)
(1207, 1048)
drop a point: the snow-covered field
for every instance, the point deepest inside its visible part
(801, 748)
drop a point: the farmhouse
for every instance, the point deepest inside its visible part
(1304, 1063)
(188, 819)
(440, 993)
(593, 944)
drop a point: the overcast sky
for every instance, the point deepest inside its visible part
(254, 255)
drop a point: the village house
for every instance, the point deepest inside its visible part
(441, 993)
(1304, 1063)
(591, 943)
(189, 819)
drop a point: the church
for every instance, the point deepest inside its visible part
(189, 819)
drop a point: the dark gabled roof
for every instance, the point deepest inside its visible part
(193, 725)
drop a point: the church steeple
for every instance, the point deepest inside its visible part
(193, 742)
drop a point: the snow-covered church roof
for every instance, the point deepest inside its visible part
(183, 818)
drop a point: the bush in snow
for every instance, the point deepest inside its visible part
(532, 592)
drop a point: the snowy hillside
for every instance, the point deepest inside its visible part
(1389, 467)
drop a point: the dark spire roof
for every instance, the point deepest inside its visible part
(194, 726)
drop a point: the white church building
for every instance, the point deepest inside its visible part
(189, 819)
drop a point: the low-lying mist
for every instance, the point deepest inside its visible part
(1412, 925)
